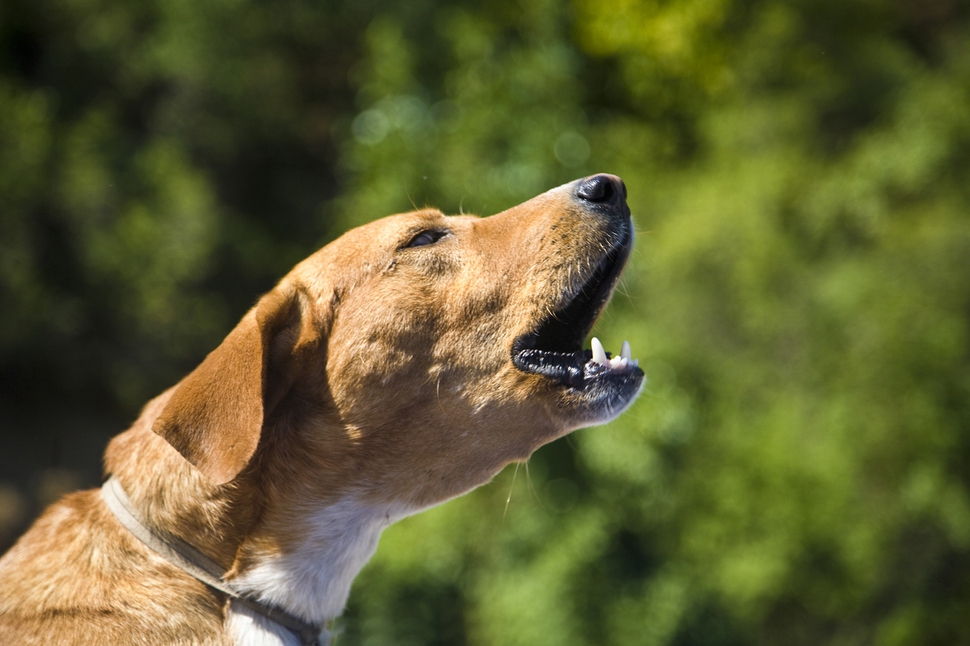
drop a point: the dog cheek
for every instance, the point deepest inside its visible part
(370, 376)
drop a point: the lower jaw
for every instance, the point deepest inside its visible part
(602, 398)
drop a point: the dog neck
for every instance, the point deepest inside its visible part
(311, 577)
(197, 565)
(287, 540)
(300, 556)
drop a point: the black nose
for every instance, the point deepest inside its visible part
(603, 189)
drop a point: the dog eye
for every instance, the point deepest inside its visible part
(425, 238)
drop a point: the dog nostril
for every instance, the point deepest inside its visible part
(601, 189)
(598, 188)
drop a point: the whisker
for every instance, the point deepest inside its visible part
(437, 394)
(532, 489)
(512, 488)
(407, 192)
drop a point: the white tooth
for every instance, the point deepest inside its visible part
(625, 351)
(599, 354)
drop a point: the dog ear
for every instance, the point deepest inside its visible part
(215, 416)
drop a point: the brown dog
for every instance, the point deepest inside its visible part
(398, 367)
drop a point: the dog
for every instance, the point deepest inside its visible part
(400, 366)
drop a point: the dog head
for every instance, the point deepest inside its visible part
(420, 353)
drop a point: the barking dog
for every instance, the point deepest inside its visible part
(400, 366)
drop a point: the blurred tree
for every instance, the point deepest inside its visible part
(157, 156)
(796, 471)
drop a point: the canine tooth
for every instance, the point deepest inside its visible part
(599, 354)
(625, 351)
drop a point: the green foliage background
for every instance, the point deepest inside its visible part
(796, 471)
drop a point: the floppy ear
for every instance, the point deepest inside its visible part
(214, 417)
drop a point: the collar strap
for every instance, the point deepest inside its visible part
(199, 566)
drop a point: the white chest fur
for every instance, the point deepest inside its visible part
(313, 580)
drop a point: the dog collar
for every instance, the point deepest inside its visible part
(199, 566)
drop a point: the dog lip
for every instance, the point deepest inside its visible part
(575, 370)
(564, 367)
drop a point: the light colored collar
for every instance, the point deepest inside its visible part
(199, 566)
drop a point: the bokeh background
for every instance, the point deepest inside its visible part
(797, 469)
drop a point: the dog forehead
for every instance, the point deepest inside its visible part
(387, 232)
(362, 247)
(489, 244)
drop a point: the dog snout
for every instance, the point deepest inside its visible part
(603, 191)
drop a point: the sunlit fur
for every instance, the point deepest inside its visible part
(374, 381)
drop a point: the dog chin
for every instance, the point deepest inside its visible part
(603, 397)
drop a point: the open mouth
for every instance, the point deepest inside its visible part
(554, 349)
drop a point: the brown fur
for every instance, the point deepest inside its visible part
(370, 369)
